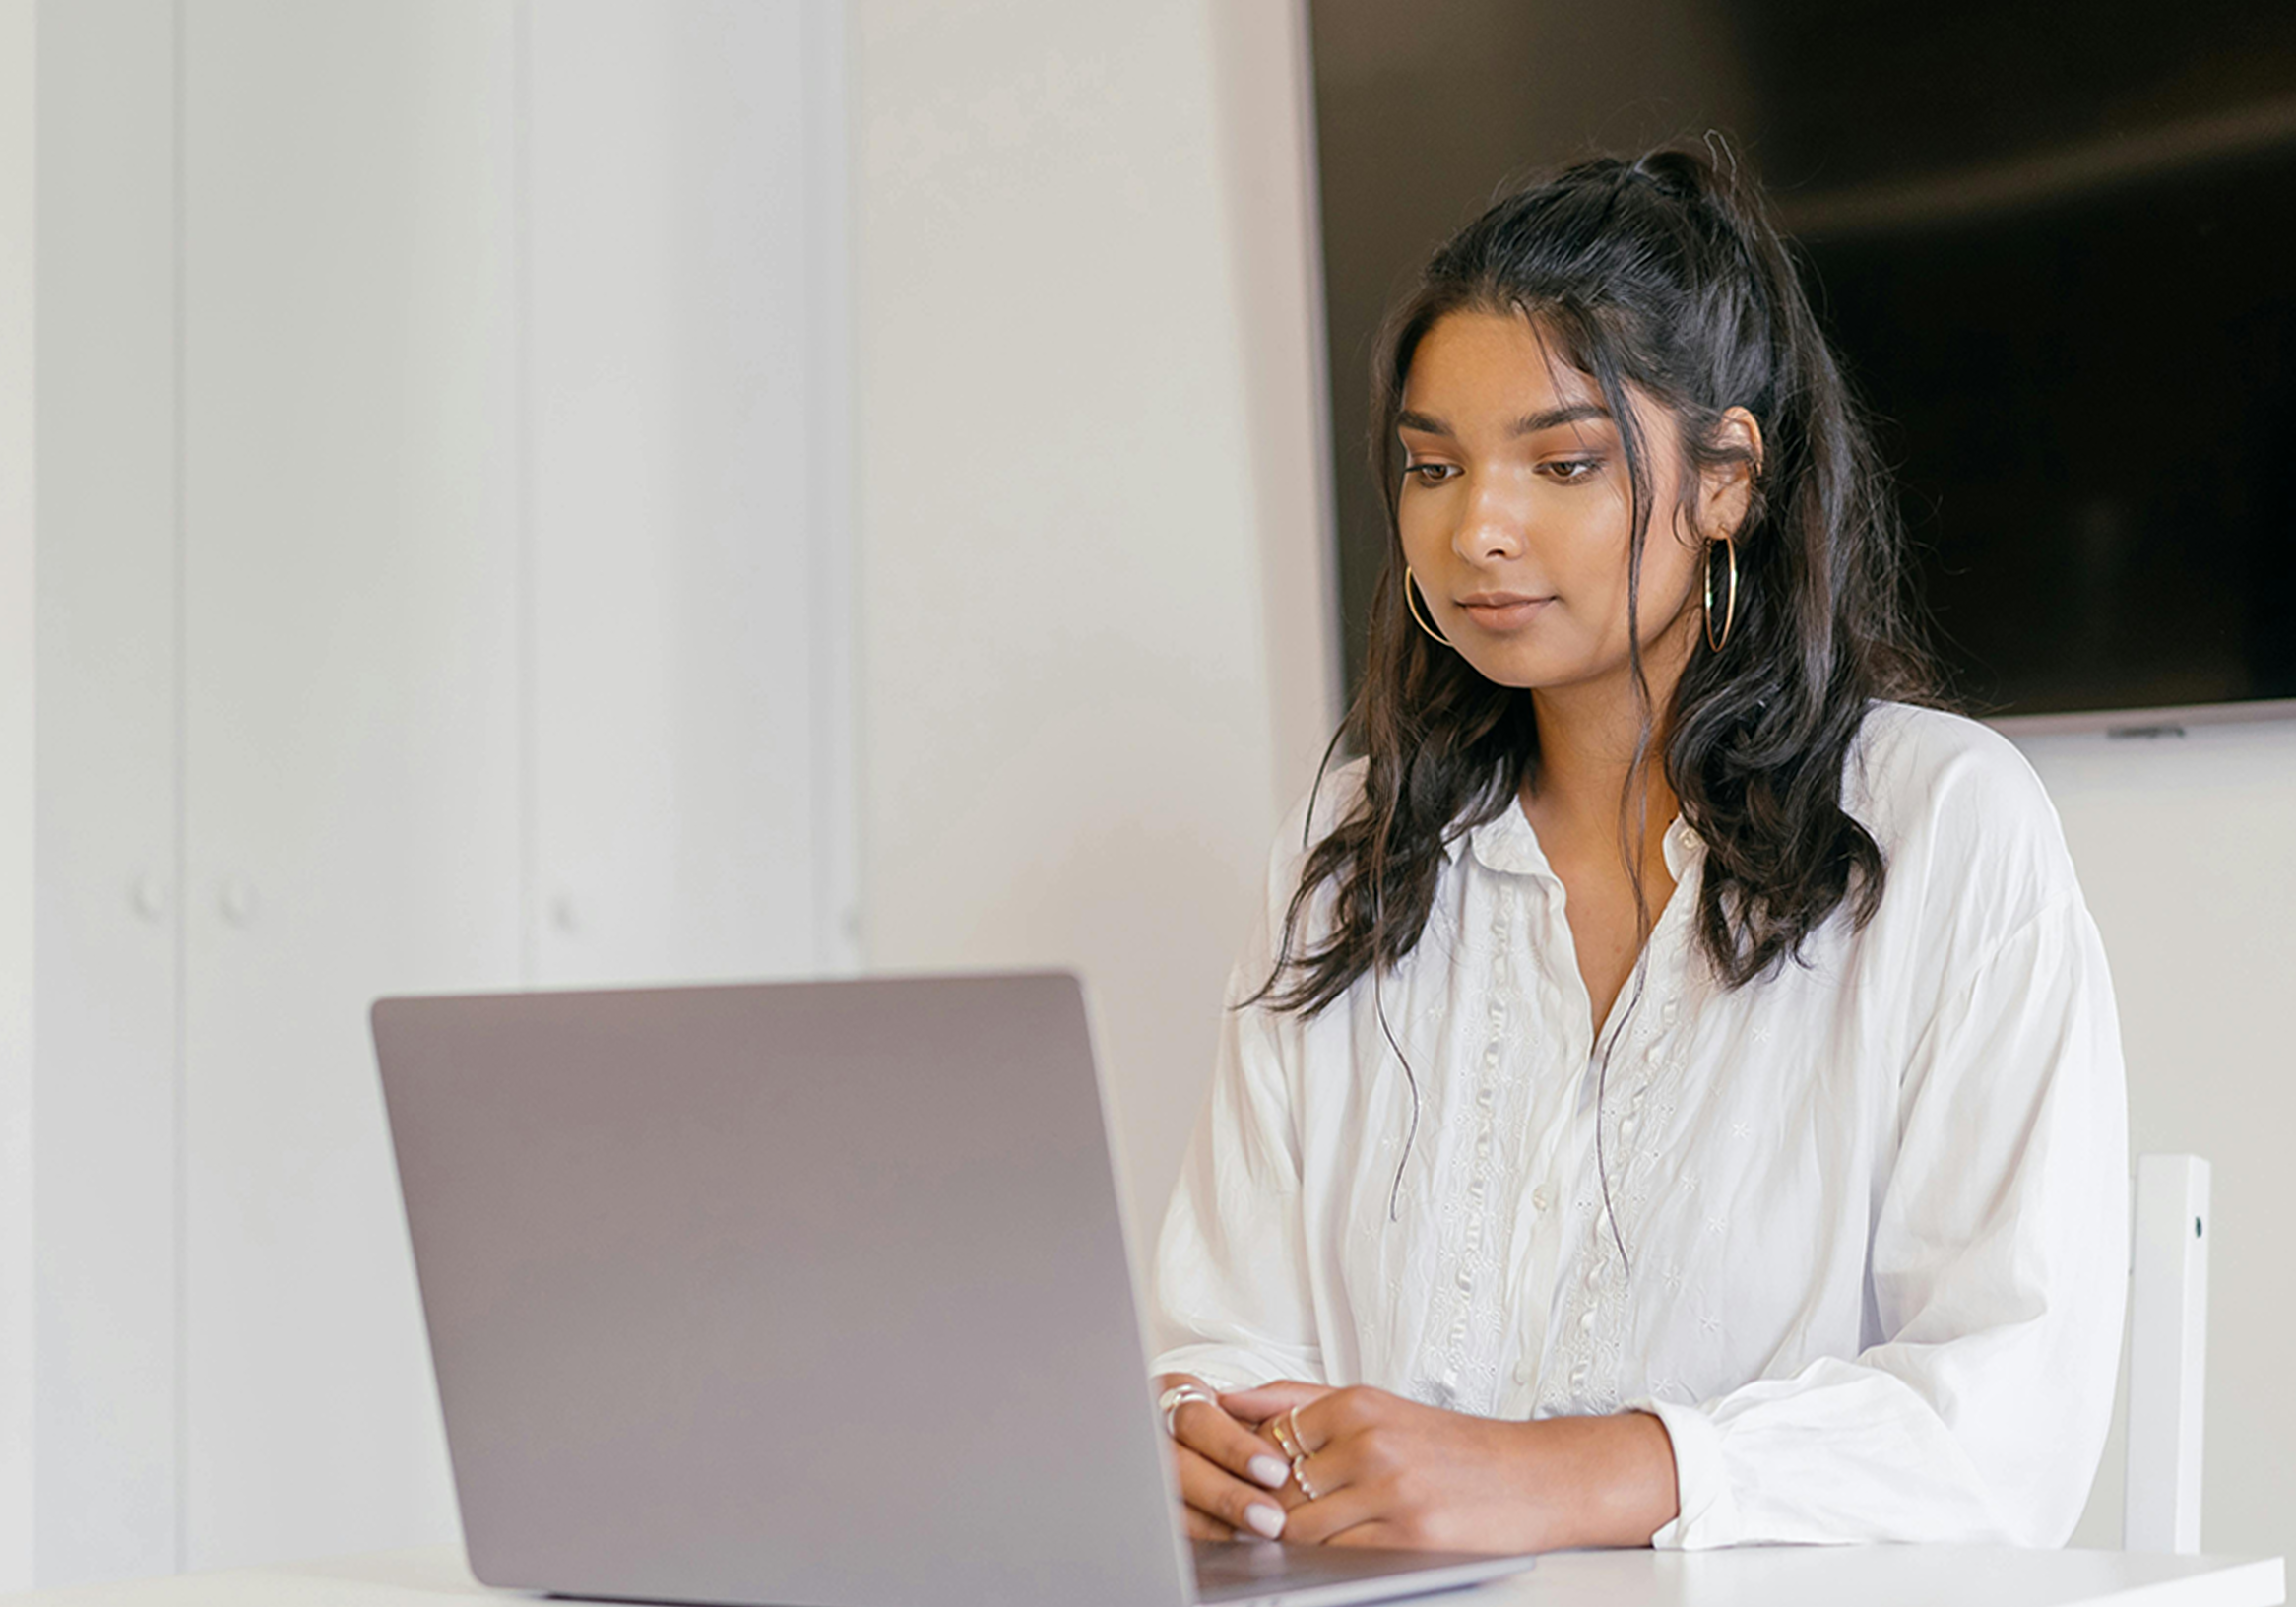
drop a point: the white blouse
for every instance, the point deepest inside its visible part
(1874, 1206)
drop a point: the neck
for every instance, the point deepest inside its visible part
(1587, 737)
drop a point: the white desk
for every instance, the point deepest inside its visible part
(1754, 1576)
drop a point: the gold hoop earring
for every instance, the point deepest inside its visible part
(1730, 606)
(1410, 600)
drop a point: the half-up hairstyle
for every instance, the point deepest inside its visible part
(1665, 276)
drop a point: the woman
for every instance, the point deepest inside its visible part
(1673, 1096)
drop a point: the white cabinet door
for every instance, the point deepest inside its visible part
(104, 1108)
(440, 588)
(681, 481)
(352, 785)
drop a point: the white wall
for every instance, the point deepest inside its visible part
(1091, 596)
(2187, 851)
(1264, 121)
(18, 580)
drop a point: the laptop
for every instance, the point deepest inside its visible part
(811, 1294)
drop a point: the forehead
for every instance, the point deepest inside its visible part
(1474, 362)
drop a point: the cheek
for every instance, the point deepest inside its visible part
(1423, 531)
(1594, 581)
(1587, 554)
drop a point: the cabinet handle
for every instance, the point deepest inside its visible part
(148, 897)
(237, 901)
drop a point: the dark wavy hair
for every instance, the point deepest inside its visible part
(1662, 276)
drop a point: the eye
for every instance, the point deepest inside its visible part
(1570, 470)
(1431, 474)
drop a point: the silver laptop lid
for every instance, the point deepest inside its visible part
(803, 1292)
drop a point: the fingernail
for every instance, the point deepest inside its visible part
(1271, 1471)
(1268, 1521)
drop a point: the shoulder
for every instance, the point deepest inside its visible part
(1957, 812)
(1907, 759)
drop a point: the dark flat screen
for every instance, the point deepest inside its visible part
(2090, 405)
(2056, 250)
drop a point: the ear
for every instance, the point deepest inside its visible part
(1727, 491)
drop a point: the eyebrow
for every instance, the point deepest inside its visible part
(1530, 423)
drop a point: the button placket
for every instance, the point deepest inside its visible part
(1470, 1291)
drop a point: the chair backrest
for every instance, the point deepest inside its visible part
(2168, 1355)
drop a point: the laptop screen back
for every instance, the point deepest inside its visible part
(804, 1293)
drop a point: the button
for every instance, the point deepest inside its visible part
(1540, 1198)
(1625, 1127)
(1586, 1318)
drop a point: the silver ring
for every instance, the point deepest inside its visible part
(1179, 1395)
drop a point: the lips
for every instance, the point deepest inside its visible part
(1503, 610)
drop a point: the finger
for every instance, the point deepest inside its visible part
(1213, 1434)
(1377, 1532)
(1289, 1492)
(1226, 1498)
(1331, 1513)
(1334, 1415)
(1260, 1404)
(1200, 1527)
(1326, 1473)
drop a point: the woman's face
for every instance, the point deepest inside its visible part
(1517, 510)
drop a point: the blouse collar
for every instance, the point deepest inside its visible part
(1507, 844)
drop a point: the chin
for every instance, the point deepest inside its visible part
(1524, 672)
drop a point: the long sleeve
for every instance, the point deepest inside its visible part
(1233, 1297)
(1998, 1265)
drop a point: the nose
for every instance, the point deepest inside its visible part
(1491, 526)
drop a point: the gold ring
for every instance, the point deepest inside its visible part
(1287, 1437)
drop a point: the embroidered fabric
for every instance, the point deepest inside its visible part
(1459, 1361)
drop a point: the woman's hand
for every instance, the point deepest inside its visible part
(1226, 1471)
(1391, 1472)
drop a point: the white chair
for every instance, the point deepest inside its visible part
(2168, 1355)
